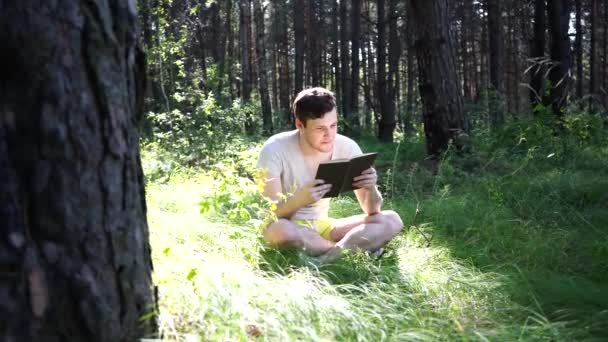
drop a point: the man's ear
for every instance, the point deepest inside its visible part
(299, 124)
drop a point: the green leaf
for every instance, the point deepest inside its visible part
(192, 274)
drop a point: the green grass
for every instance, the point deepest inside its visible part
(519, 251)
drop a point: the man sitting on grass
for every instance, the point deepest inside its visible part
(291, 160)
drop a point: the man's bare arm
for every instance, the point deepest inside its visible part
(287, 207)
(368, 195)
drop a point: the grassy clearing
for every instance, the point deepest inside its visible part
(519, 252)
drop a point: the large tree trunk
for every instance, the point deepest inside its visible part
(262, 68)
(74, 258)
(496, 61)
(442, 101)
(561, 55)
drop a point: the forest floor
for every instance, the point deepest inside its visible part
(518, 251)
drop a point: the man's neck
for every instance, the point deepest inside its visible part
(311, 153)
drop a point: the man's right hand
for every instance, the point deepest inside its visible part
(311, 192)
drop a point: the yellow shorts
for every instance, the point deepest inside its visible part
(323, 226)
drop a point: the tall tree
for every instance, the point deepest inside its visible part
(496, 60)
(394, 56)
(335, 56)
(593, 59)
(344, 64)
(578, 49)
(443, 114)
(538, 53)
(246, 71)
(262, 69)
(561, 55)
(299, 36)
(74, 255)
(355, 38)
(281, 34)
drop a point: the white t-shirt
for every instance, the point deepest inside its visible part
(281, 156)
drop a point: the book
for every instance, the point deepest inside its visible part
(340, 172)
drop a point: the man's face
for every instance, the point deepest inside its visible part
(320, 133)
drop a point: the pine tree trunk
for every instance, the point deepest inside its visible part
(344, 64)
(578, 50)
(593, 59)
(230, 48)
(246, 67)
(284, 69)
(394, 54)
(335, 55)
(262, 69)
(299, 36)
(355, 38)
(496, 61)
(386, 122)
(411, 77)
(561, 55)
(538, 53)
(605, 61)
(75, 259)
(442, 101)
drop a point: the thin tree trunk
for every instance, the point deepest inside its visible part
(335, 55)
(354, 76)
(538, 54)
(75, 258)
(246, 81)
(345, 67)
(411, 77)
(262, 69)
(230, 48)
(593, 59)
(605, 62)
(496, 61)
(284, 70)
(578, 43)
(561, 55)
(299, 36)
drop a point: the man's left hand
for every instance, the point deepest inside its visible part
(367, 179)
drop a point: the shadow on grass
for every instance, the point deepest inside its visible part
(355, 268)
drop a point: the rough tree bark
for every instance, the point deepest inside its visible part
(74, 255)
(443, 114)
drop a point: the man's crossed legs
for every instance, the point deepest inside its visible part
(355, 232)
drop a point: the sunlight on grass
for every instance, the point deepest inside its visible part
(213, 284)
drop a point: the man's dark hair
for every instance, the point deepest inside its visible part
(313, 103)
